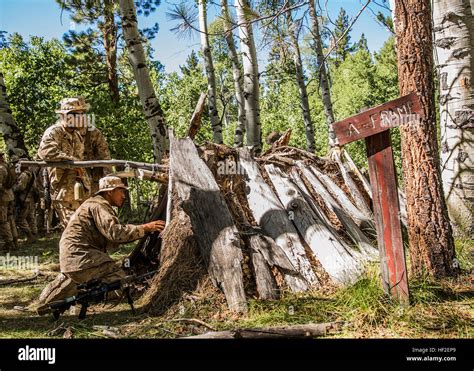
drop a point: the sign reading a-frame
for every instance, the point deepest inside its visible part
(373, 125)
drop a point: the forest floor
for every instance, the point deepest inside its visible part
(437, 310)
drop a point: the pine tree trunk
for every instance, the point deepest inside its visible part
(211, 77)
(151, 107)
(14, 142)
(429, 230)
(301, 84)
(251, 84)
(237, 75)
(323, 76)
(454, 31)
(109, 34)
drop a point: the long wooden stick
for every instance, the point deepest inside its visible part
(94, 163)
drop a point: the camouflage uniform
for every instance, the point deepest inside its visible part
(93, 229)
(25, 189)
(8, 234)
(96, 148)
(56, 145)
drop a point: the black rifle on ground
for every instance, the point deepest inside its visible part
(93, 291)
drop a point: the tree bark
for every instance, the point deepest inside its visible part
(454, 31)
(429, 230)
(14, 142)
(274, 221)
(237, 75)
(210, 73)
(212, 223)
(300, 79)
(332, 253)
(323, 77)
(251, 84)
(151, 107)
(351, 228)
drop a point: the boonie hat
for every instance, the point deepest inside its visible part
(109, 183)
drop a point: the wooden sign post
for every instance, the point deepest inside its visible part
(373, 125)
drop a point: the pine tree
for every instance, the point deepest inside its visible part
(343, 47)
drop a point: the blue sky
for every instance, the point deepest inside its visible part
(43, 18)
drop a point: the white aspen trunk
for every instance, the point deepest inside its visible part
(151, 107)
(237, 75)
(210, 74)
(251, 84)
(323, 77)
(454, 34)
(309, 130)
(10, 131)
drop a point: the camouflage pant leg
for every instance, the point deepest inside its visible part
(65, 209)
(107, 272)
(26, 220)
(11, 218)
(6, 237)
(40, 217)
(60, 288)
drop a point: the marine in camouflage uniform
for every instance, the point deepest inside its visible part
(63, 141)
(92, 231)
(8, 233)
(25, 191)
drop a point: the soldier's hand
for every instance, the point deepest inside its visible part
(156, 226)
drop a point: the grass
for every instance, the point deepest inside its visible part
(442, 309)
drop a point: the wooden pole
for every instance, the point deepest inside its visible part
(387, 215)
(94, 163)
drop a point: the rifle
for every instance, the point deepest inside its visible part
(93, 291)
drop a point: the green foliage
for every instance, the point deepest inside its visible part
(343, 47)
(37, 77)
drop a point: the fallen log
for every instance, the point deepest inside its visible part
(332, 253)
(212, 224)
(274, 221)
(296, 331)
